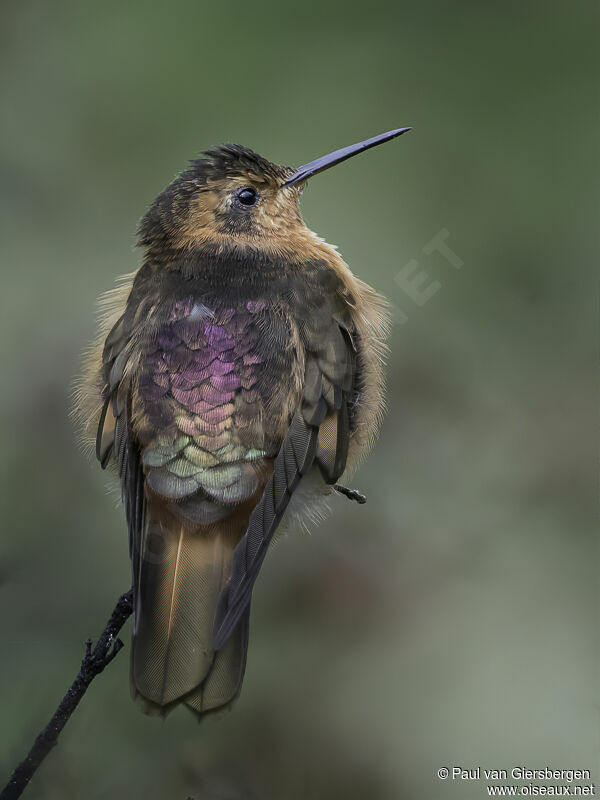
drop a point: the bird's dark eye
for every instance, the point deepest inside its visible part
(247, 196)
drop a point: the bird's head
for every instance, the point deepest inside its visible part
(234, 198)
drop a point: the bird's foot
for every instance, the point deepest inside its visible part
(351, 494)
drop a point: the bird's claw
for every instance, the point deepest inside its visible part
(351, 494)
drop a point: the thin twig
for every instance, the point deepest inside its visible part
(94, 661)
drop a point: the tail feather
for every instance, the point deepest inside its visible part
(223, 683)
(181, 572)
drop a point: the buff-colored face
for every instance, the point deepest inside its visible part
(246, 208)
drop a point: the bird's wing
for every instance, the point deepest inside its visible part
(318, 435)
(114, 437)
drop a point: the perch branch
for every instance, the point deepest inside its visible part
(94, 661)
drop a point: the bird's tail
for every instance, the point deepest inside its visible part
(178, 577)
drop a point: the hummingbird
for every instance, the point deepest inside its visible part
(236, 378)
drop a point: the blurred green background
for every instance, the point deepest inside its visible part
(453, 619)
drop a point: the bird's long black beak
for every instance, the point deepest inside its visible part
(319, 164)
